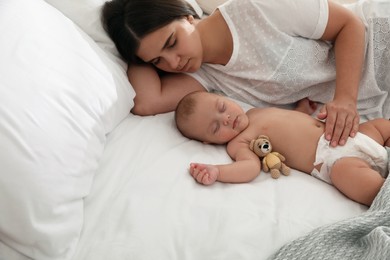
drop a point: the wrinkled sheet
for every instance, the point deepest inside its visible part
(144, 204)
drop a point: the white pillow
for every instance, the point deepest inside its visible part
(208, 6)
(196, 6)
(60, 95)
(86, 14)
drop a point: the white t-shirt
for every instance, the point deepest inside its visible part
(277, 57)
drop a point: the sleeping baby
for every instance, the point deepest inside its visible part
(357, 169)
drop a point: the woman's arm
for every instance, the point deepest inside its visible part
(348, 34)
(155, 95)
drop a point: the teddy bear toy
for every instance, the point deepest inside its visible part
(272, 161)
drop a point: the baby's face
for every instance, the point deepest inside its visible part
(216, 119)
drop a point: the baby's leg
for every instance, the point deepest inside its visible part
(356, 179)
(378, 129)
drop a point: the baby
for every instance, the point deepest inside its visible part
(357, 169)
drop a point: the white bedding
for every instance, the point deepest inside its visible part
(145, 205)
(81, 178)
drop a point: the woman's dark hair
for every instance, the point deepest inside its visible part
(128, 21)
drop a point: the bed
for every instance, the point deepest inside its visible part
(82, 178)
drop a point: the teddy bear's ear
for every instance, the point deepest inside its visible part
(263, 137)
(252, 144)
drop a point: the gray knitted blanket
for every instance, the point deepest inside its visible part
(366, 236)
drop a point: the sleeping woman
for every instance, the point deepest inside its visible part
(260, 52)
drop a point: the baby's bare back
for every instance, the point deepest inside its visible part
(293, 134)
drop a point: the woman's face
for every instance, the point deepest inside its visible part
(175, 47)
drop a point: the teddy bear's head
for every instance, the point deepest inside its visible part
(261, 146)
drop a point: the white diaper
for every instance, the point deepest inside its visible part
(360, 146)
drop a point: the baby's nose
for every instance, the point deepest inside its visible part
(226, 121)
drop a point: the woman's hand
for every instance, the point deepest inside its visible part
(342, 121)
(205, 174)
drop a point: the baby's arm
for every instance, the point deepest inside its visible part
(245, 168)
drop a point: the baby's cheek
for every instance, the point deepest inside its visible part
(228, 135)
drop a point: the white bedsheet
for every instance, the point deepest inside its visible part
(144, 204)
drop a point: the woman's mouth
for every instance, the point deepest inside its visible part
(184, 67)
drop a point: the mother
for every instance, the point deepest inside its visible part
(258, 51)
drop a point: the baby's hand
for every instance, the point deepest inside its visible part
(205, 174)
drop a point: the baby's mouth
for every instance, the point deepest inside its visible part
(235, 123)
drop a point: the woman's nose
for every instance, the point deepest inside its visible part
(173, 60)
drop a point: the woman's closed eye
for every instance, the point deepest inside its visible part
(156, 61)
(170, 46)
